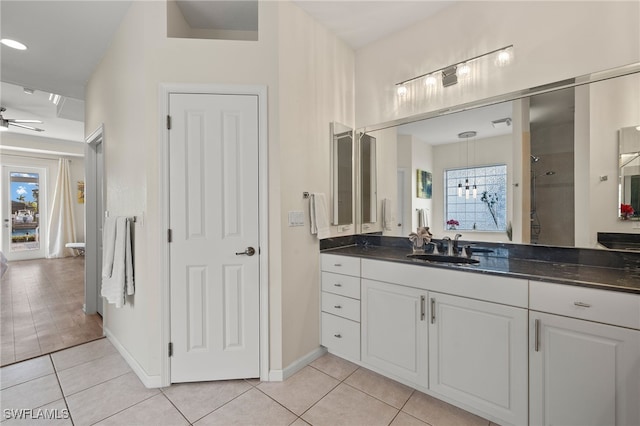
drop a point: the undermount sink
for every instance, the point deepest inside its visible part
(481, 250)
(442, 258)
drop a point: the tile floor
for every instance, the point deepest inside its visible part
(94, 385)
(41, 308)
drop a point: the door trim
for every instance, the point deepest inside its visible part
(260, 91)
(91, 291)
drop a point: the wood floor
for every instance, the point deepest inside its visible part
(41, 308)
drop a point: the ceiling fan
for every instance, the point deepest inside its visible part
(6, 122)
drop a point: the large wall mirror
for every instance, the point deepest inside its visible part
(559, 144)
(630, 172)
(342, 174)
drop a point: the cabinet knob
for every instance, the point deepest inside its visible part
(339, 336)
(582, 304)
(337, 264)
(337, 306)
(338, 285)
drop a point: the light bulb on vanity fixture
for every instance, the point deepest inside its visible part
(464, 70)
(431, 80)
(402, 90)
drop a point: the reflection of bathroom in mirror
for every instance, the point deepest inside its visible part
(342, 174)
(553, 144)
(630, 168)
(368, 178)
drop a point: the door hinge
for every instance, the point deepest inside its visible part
(169, 235)
(170, 349)
(168, 122)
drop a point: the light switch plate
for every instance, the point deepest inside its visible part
(296, 218)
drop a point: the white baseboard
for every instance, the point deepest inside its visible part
(297, 365)
(147, 380)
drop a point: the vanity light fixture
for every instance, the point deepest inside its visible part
(450, 73)
(55, 99)
(502, 123)
(14, 44)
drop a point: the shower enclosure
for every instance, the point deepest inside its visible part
(535, 220)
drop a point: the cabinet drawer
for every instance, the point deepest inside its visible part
(341, 306)
(341, 336)
(608, 307)
(340, 264)
(343, 285)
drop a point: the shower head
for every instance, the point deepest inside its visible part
(534, 159)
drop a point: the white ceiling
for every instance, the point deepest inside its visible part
(360, 23)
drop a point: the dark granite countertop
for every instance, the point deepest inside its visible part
(617, 271)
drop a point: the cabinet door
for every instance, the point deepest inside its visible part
(394, 330)
(583, 373)
(478, 355)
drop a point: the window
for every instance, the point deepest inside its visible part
(487, 212)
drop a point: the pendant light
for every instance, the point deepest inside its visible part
(466, 135)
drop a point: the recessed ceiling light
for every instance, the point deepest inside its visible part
(13, 44)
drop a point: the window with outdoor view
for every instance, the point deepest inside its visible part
(487, 211)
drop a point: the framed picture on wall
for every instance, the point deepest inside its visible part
(80, 192)
(424, 184)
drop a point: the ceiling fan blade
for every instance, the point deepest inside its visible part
(13, 120)
(26, 127)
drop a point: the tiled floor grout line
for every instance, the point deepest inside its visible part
(131, 406)
(97, 384)
(216, 409)
(315, 403)
(64, 398)
(174, 406)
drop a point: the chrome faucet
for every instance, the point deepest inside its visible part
(456, 250)
(449, 246)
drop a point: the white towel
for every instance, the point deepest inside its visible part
(117, 263)
(387, 214)
(318, 215)
(423, 222)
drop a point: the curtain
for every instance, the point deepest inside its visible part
(62, 224)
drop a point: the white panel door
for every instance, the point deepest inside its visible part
(478, 355)
(583, 373)
(394, 330)
(213, 145)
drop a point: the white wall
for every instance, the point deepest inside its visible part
(315, 87)
(552, 41)
(309, 76)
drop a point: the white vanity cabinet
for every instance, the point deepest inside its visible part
(340, 305)
(394, 330)
(478, 355)
(584, 356)
(457, 335)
